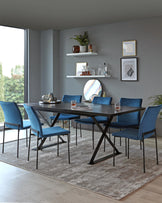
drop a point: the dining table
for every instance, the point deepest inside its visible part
(89, 110)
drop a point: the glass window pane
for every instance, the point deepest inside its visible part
(11, 65)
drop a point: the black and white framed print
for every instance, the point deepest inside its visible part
(129, 69)
(129, 48)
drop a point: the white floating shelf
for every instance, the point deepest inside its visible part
(82, 54)
(88, 76)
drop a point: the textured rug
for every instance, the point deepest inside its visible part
(117, 182)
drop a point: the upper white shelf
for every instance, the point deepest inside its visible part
(88, 76)
(82, 54)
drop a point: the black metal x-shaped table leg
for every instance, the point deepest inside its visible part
(104, 135)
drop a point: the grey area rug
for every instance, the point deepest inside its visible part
(116, 182)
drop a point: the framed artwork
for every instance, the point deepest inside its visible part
(129, 69)
(129, 48)
(81, 66)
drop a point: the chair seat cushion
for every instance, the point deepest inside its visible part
(130, 133)
(53, 131)
(123, 124)
(65, 117)
(89, 120)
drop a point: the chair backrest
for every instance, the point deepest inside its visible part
(102, 100)
(12, 114)
(148, 121)
(69, 98)
(134, 117)
(35, 122)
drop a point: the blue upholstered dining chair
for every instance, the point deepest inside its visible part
(89, 120)
(13, 120)
(130, 119)
(147, 128)
(67, 117)
(43, 133)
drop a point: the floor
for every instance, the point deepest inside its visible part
(18, 185)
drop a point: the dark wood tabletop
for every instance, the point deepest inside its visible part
(86, 109)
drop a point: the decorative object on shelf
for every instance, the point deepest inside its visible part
(129, 69)
(80, 68)
(83, 41)
(129, 48)
(105, 69)
(92, 88)
(100, 70)
(93, 71)
(76, 49)
(90, 48)
(83, 49)
(104, 94)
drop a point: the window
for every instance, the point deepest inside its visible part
(11, 65)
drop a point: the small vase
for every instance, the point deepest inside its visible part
(76, 49)
(82, 49)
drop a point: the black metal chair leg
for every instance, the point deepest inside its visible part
(128, 149)
(76, 134)
(157, 159)
(140, 145)
(120, 138)
(37, 151)
(68, 138)
(58, 145)
(93, 136)
(18, 143)
(114, 153)
(3, 139)
(143, 156)
(125, 146)
(26, 137)
(29, 145)
(69, 125)
(80, 131)
(69, 129)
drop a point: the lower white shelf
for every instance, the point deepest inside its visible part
(89, 76)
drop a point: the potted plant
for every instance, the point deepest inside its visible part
(157, 100)
(83, 41)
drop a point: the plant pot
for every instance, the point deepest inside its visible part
(82, 49)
